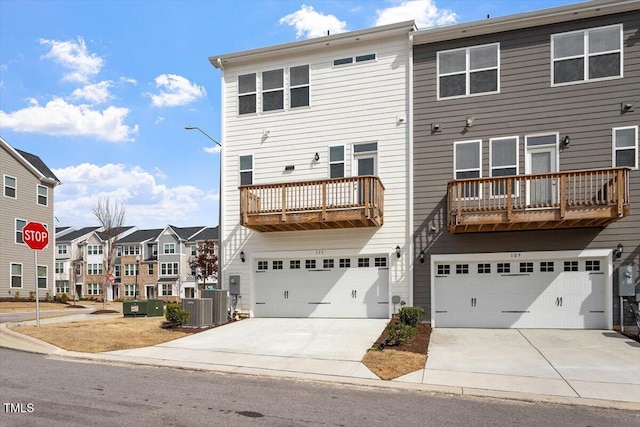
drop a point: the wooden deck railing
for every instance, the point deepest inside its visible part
(553, 200)
(331, 203)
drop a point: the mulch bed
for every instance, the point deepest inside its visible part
(419, 344)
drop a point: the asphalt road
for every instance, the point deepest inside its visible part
(42, 391)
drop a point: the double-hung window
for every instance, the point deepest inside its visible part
(625, 147)
(503, 155)
(336, 161)
(94, 269)
(247, 93)
(592, 54)
(299, 86)
(169, 248)
(469, 71)
(43, 195)
(20, 223)
(10, 186)
(59, 267)
(246, 170)
(42, 277)
(273, 90)
(466, 158)
(16, 275)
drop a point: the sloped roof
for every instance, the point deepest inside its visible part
(185, 233)
(209, 233)
(140, 236)
(103, 235)
(37, 163)
(73, 235)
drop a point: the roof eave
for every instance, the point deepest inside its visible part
(525, 20)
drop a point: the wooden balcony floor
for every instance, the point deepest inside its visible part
(312, 221)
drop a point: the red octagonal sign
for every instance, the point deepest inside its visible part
(35, 236)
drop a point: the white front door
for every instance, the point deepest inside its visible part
(541, 160)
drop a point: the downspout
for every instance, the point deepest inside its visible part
(411, 255)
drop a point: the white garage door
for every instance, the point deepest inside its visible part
(349, 287)
(556, 293)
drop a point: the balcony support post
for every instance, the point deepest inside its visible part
(563, 196)
(284, 203)
(509, 198)
(620, 191)
(324, 200)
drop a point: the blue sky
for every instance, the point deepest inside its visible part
(102, 90)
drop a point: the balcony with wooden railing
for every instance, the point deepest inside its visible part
(573, 199)
(313, 205)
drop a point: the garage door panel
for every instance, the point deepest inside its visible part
(523, 294)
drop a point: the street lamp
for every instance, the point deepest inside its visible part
(135, 288)
(219, 205)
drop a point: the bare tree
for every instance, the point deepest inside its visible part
(111, 218)
(205, 261)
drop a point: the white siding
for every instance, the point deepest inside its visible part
(349, 104)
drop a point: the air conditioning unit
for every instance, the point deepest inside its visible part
(200, 311)
(220, 304)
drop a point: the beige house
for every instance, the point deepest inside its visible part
(27, 195)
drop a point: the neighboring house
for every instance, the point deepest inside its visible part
(174, 273)
(69, 260)
(209, 274)
(27, 195)
(315, 160)
(136, 265)
(526, 182)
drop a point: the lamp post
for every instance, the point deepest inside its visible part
(135, 288)
(219, 205)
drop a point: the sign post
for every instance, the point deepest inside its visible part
(36, 237)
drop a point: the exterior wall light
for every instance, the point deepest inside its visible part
(421, 256)
(619, 251)
(242, 256)
(566, 141)
(398, 251)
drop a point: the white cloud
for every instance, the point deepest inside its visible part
(58, 117)
(157, 172)
(94, 93)
(175, 91)
(74, 56)
(310, 24)
(159, 120)
(128, 80)
(424, 12)
(147, 203)
(212, 150)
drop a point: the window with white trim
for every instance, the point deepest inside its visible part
(131, 269)
(169, 269)
(117, 270)
(62, 287)
(625, 147)
(526, 267)
(546, 266)
(10, 186)
(587, 55)
(166, 290)
(503, 267)
(129, 290)
(247, 94)
(344, 262)
(336, 161)
(310, 263)
(62, 249)
(20, 223)
(503, 161)
(380, 262)
(592, 265)
(363, 262)
(94, 269)
(42, 277)
(462, 268)
(169, 248)
(357, 59)
(444, 269)
(469, 71)
(276, 265)
(263, 265)
(466, 160)
(43, 195)
(94, 289)
(273, 90)
(571, 266)
(246, 169)
(59, 267)
(16, 275)
(484, 268)
(299, 86)
(150, 271)
(94, 249)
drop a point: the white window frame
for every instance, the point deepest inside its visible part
(11, 275)
(5, 186)
(62, 287)
(41, 277)
(254, 93)
(94, 289)
(467, 71)
(117, 270)
(19, 231)
(516, 165)
(150, 269)
(59, 267)
(615, 149)
(169, 269)
(95, 267)
(94, 249)
(299, 86)
(166, 290)
(131, 269)
(38, 195)
(479, 168)
(129, 290)
(62, 249)
(168, 248)
(586, 55)
(355, 59)
(264, 91)
(337, 162)
(246, 170)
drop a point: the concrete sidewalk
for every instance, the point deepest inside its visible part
(567, 367)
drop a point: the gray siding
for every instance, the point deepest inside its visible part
(526, 104)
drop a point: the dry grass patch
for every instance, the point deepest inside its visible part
(95, 336)
(21, 306)
(389, 364)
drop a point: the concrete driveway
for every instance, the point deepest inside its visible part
(579, 363)
(316, 346)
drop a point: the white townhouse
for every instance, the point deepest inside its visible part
(70, 260)
(316, 170)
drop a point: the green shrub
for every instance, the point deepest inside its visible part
(63, 298)
(176, 314)
(411, 315)
(401, 333)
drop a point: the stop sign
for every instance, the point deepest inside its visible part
(35, 236)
